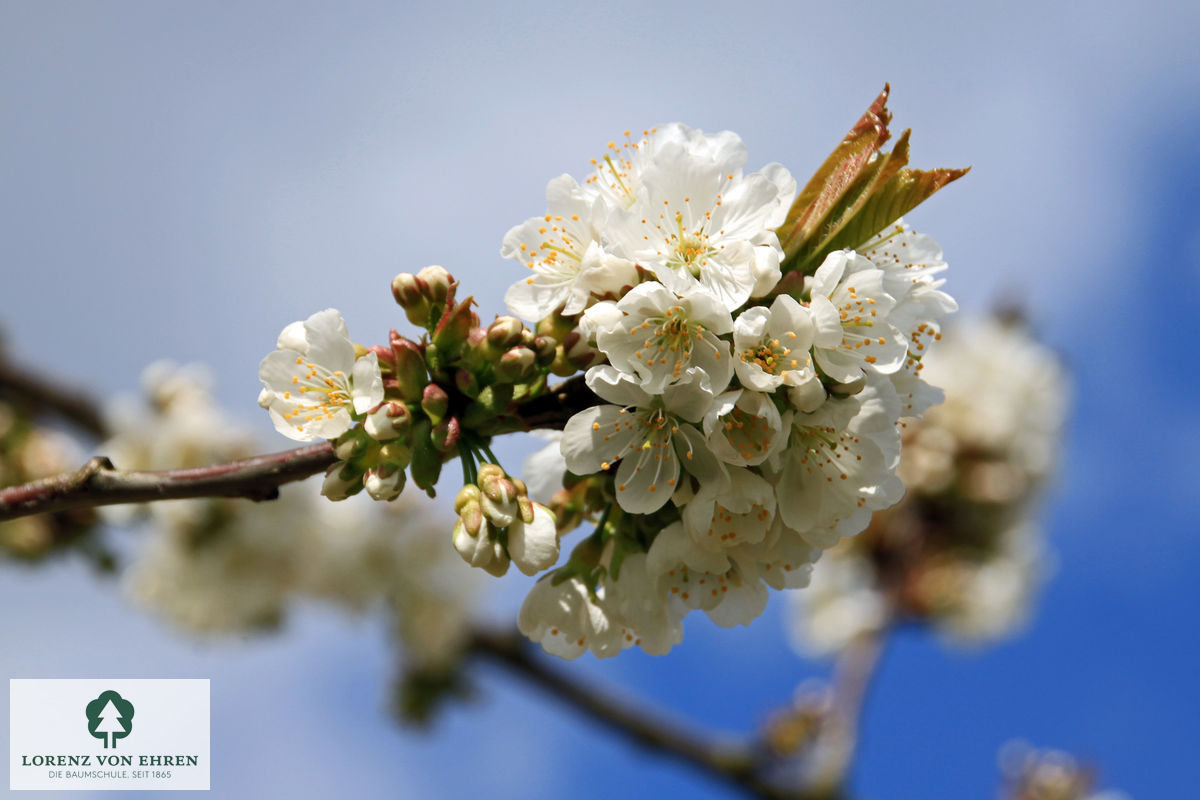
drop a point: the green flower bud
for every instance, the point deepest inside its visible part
(446, 434)
(437, 284)
(395, 453)
(505, 332)
(388, 421)
(546, 348)
(517, 365)
(407, 290)
(409, 370)
(351, 445)
(453, 328)
(434, 402)
(556, 326)
(496, 398)
(578, 352)
(426, 464)
(466, 382)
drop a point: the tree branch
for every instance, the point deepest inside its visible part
(24, 386)
(853, 675)
(559, 404)
(98, 483)
(734, 763)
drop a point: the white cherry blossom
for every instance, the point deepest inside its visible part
(313, 382)
(618, 173)
(567, 620)
(745, 428)
(564, 251)
(719, 519)
(660, 335)
(839, 465)
(772, 346)
(652, 436)
(700, 227)
(850, 308)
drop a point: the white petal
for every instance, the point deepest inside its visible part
(367, 383)
(596, 436)
(534, 546)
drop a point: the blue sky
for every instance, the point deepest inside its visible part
(183, 180)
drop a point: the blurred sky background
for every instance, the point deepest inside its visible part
(183, 179)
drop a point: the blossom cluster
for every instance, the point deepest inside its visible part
(740, 430)
(962, 552)
(747, 349)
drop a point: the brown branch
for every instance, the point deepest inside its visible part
(734, 763)
(553, 409)
(853, 675)
(98, 483)
(38, 395)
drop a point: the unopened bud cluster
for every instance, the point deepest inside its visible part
(498, 524)
(403, 409)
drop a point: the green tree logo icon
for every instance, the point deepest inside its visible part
(110, 717)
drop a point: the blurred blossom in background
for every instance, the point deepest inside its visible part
(963, 551)
(181, 181)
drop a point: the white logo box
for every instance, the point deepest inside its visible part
(164, 744)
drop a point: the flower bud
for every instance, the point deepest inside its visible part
(407, 290)
(556, 326)
(453, 329)
(446, 433)
(434, 402)
(578, 352)
(388, 421)
(351, 445)
(489, 474)
(341, 481)
(438, 285)
(409, 369)
(471, 516)
(533, 543)
(386, 358)
(467, 495)
(426, 464)
(384, 482)
(504, 332)
(395, 453)
(517, 365)
(546, 348)
(475, 548)
(496, 398)
(573, 355)
(525, 506)
(466, 382)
